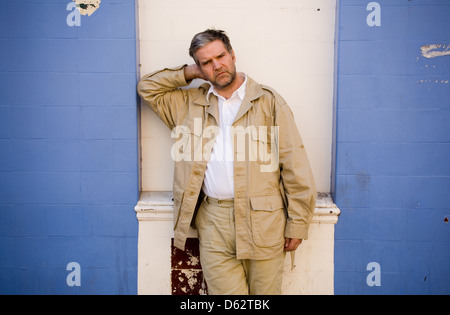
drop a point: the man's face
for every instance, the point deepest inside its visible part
(217, 64)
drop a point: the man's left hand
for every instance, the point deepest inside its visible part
(291, 244)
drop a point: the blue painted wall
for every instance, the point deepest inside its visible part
(392, 175)
(68, 148)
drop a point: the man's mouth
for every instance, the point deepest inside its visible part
(221, 74)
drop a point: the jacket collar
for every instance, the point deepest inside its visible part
(240, 93)
(253, 92)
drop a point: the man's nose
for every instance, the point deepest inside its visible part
(216, 65)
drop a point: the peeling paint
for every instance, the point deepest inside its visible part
(187, 275)
(433, 81)
(188, 282)
(436, 50)
(87, 7)
(193, 261)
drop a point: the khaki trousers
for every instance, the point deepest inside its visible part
(223, 272)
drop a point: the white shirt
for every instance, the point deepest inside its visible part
(219, 175)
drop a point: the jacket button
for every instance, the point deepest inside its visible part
(196, 173)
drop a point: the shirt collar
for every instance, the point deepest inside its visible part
(239, 92)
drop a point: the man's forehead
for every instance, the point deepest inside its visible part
(211, 50)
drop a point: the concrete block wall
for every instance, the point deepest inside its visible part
(392, 174)
(68, 148)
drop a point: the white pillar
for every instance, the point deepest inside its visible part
(314, 260)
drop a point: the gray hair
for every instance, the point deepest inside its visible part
(202, 39)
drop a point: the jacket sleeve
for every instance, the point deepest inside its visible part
(296, 176)
(160, 91)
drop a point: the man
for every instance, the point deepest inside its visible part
(232, 131)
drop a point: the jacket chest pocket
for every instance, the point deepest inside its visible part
(268, 220)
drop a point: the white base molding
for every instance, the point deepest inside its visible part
(163, 270)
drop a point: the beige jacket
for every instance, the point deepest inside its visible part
(275, 192)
